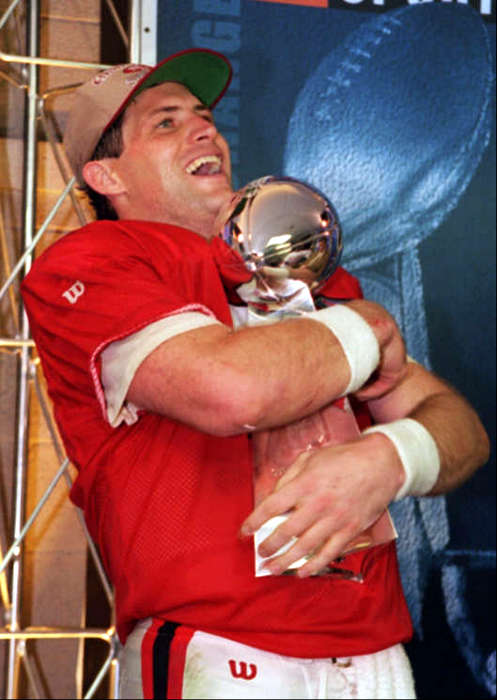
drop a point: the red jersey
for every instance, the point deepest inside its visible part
(163, 501)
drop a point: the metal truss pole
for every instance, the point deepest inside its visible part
(135, 31)
(23, 376)
(14, 633)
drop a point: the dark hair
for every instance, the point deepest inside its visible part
(109, 146)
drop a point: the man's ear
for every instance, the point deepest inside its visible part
(102, 177)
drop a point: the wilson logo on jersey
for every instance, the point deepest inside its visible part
(241, 670)
(73, 293)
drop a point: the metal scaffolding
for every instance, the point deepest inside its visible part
(21, 345)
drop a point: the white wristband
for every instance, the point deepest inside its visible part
(357, 340)
(418, 453)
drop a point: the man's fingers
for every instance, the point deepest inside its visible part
(294, 525)
(290, 491)
(330, 550)
(293, 470)
(315, 545)
(275, 504)
(385, 381)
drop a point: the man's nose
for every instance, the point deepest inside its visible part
(202, 128)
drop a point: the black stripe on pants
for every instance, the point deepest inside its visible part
(162, 644)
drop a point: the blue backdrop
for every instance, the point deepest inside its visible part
(390, 111)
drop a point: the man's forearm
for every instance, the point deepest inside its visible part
(225, 382)
(460, 438)
(462, 442)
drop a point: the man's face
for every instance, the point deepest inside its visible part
(175, 165)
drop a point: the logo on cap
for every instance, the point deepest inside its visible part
(134, 69)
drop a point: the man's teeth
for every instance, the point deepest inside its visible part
(210, 165)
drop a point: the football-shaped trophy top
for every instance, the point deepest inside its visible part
(285, 229)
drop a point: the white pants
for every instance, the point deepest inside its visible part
(215, 667)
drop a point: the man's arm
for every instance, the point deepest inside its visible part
(225, 382)
(462, 442)
(335, 493)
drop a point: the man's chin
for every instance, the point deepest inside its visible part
(209, 208)
(222, 207)
(213, 183)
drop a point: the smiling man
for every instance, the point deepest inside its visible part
(160, 401)
(159, 177)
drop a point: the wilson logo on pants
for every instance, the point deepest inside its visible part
(241, 671)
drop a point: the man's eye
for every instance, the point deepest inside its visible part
(166, 123)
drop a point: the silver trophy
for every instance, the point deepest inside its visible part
(289, 237)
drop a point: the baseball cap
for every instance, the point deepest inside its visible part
(100, 101)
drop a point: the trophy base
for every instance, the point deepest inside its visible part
(380, 532)
(260, 562)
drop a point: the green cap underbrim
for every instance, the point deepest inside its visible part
(206, 74)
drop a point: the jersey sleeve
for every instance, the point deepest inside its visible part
(121, 359)
(87, 292)
(340, 287)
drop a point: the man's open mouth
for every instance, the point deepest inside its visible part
(205, 165)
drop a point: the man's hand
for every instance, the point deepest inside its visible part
(331, 495)
(392, 367)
